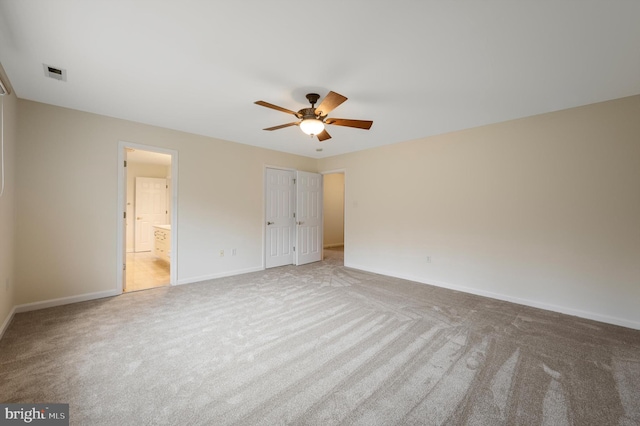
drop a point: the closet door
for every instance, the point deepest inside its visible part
(308, 218)
(280, 217)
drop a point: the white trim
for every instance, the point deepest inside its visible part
(122, 193)
(526, 302)
(266, 166)
(7, 321)
(27, 307)
(120, 228)
(219, 275)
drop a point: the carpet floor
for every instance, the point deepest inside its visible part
(320, 344)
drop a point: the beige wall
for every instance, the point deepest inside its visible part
(543, 210)
(67, 191)
(7, 212)
(333, 209)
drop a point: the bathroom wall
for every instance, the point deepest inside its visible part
(333, 210)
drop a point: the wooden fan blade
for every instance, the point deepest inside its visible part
(282, 126)
(329, 103)
(276, 107)
(359, 124)
(324, 135)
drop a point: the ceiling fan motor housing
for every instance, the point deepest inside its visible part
(308, 113)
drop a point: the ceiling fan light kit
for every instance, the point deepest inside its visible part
(311, 126)
(313, 120)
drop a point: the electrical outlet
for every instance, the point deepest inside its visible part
(233, 252)
(428, 259)
(221, 253)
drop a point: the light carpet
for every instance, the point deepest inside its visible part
(320, 344)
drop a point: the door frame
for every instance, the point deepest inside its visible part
(121, 209)
(345, 209)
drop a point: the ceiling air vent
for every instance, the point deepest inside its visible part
(53, 72)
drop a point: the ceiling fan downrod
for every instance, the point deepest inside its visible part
(313, 98)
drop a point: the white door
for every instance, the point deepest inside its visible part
(309, 217)
(280, 217)
(151, 209)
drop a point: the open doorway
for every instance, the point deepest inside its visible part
(148, 195)
(333, 218)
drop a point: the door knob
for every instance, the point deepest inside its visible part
(269, 223)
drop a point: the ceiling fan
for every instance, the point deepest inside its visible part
(312, 120)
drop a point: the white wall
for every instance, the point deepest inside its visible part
(543, 210)
(333, 210)
(67, 188)
(135, 170)
(7, 211)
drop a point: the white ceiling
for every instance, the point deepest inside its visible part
(416, 68)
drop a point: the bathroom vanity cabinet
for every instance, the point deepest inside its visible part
(162, 242)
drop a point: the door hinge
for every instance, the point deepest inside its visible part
(294, 215)
(294, 181)
(125, 163)
(166, 186)
(124, 215)
(294, 248)
(124, 266)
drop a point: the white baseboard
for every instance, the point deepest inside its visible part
(218, 275)
(520, 301)
(555, 308)
(102, 294)
(7, 321)
(64, 301)
(51, 303)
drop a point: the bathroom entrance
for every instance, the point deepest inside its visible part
(148, 214)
